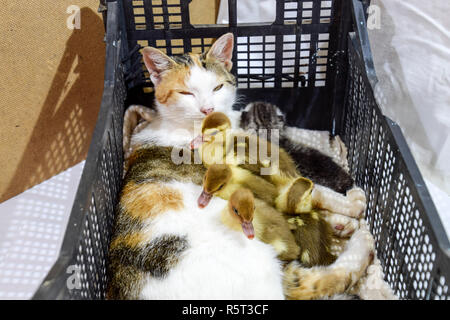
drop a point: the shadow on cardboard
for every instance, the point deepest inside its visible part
(64, 128)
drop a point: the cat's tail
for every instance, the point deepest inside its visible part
(135, 117)
(325, 282)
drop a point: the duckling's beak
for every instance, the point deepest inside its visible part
(202, 138)
(197, 142)
(208, 137)
(247, 227)
(204, 199)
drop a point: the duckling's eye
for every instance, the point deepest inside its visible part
(220, 188)
(218, 87)
(235, 211)
(186, 93)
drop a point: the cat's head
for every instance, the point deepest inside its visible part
(262, 115)
(193, 85)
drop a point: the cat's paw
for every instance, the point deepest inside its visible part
(342, 226)
(357, 197)
(337, 245)
(357, 209)
(359, 252)
(363, 240)
(356, 193)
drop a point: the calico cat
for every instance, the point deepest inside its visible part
(312, 164)
(164, 246)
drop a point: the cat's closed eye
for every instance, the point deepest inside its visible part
(218, 87)
(186, 93)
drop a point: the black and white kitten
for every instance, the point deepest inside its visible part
(312, 164)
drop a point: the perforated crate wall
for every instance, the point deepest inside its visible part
(96, 229)
(293, 51)
(414, 264)
(81, 269)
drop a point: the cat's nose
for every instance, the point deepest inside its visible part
(206, 111)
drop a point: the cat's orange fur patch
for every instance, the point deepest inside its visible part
(172, 81)
(130, 240)
(316, 283)
(147, 200)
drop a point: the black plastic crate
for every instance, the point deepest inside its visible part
(314, 62)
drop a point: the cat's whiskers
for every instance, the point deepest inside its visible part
(240, 99)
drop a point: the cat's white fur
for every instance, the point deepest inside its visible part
(220, 263)
(178, 123)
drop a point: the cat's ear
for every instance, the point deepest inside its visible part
(156, 62)
(222, 50)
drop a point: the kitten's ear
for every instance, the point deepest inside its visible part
(222, 50)
(156, 62)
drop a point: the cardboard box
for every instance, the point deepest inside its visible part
(52, 84)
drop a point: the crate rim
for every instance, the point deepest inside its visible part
(48, 290)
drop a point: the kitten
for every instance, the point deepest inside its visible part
(334, 188)
(312, 164)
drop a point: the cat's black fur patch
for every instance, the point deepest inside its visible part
(318, 167)
(312, 164)
(163, 253)
(183, 59)
(157, 257)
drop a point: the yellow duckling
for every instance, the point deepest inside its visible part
(256, 218)
(310, 230)
(219, 145)
(314, 236)
(223, 180)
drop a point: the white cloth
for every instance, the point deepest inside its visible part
(249, 11)
(411, 51)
